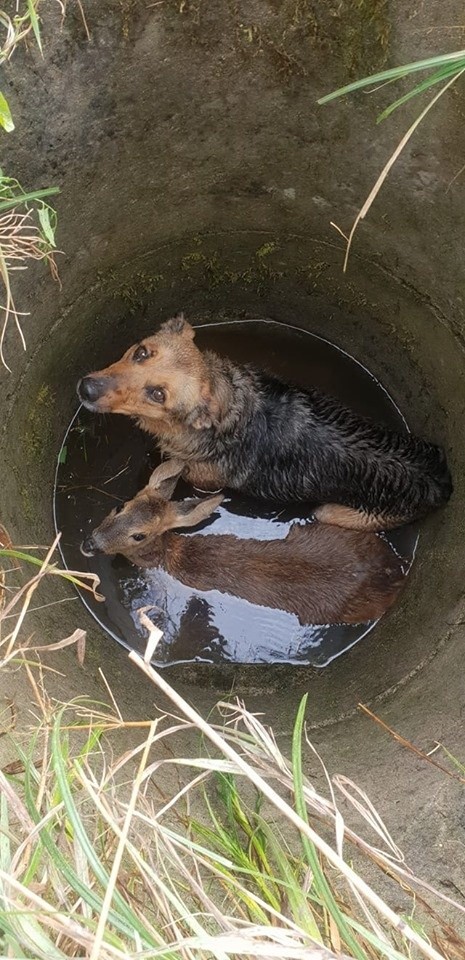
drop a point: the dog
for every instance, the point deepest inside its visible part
(322, 574)
(234, 426)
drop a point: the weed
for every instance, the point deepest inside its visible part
(445, 69)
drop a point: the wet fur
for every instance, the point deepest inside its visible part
(237, 427)
(322, 574)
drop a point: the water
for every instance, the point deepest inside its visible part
(104, 460)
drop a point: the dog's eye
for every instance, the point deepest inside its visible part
(140, 353)
(156, 394)
(138, 537)
(119, 508)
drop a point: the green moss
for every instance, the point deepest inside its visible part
(38, 430)
(208, 269)
(365, 40)
(27, 503)
(133, 291)
(266, 249)
(191, 258)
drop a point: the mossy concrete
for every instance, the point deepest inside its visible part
(197, 172)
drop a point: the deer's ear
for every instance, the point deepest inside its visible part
(164, 479)
(192, 512)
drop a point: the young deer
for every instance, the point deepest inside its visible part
(321, 573)
(235, 426)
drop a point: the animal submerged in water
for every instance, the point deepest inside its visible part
(234, 426)
(321, 573)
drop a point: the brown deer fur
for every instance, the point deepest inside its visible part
(321, 573)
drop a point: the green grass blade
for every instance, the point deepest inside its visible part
(6, 120)
(34, 864)
(239, 816)
(302, 913)
(430, 81)
(12, 554)
(22, 927)
(385, 949)
(80, 833)
(321, 884)
(228, 839)
(456, 763)
(395, 73)
(46, 224)
(59, 860)
(31, 6)
(27, 198)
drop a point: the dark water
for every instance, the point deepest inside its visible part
(104, 461)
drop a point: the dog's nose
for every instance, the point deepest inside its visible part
(88, 547)
(90, 389)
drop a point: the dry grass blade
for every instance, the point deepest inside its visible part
(388, 166)
(16, 803)
(410, 746)
(263, 786)
(190, 897)
(16, 608)
(78, 636)
(97, 944)
(20, 240)
(108, 863)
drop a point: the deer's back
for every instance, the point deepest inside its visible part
(323, 574)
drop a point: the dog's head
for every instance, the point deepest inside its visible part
(135, 528)
(162, 380)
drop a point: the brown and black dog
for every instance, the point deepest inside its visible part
(235, 426)
(320, 573)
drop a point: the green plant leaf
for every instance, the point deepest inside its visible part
(434, 78)
(46, 225)
(31, 6)
(6, 120)
(27, 197)
(396, 73)
(321, 885)
(121, 908)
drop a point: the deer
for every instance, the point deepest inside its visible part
(322, 573)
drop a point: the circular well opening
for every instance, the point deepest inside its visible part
(391, 330)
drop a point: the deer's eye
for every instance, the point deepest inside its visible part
(156, 394)
(140, 353)
(138, 537)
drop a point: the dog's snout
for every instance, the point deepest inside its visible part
(91, 389)
(88, 547)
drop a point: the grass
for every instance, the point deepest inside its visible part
(226, 850)
(27, 232)
(14, 30)
(27, 223)
(443, 70)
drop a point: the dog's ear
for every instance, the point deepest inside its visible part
(178, 324)
(200, 418)
(192, 512)
(205, 414)
(164, 479)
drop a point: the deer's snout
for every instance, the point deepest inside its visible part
(88, 547)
